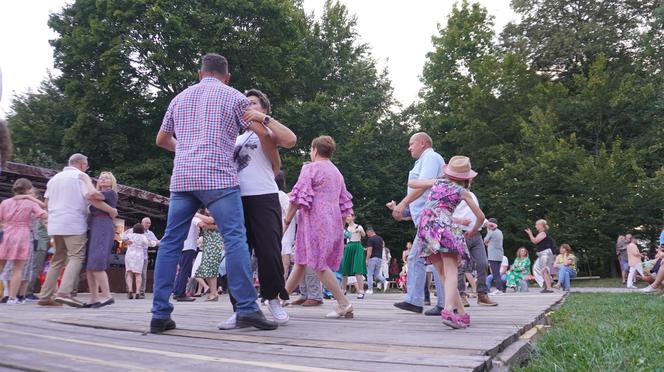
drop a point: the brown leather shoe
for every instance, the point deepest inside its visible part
(464, 300)
(484, 300)
(312, 303)
(299, 301)
(47, 302)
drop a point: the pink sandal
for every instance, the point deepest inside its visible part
(453, 320)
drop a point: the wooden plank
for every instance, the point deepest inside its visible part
(380, 337)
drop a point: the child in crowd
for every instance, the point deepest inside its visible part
(442, 240)
(134, 257)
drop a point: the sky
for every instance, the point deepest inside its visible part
(397, 31)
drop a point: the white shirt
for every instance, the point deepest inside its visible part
(152, 239)
(428, 166)
(192, 237)
(505, 265)
(67, 205)
(254, 169)
(463, 211)
(288, 239)
(356, 233)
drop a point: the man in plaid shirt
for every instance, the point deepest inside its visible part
(200, 126)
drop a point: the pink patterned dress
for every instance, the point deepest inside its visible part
(322, 199)
(15, 217)
(436, 231)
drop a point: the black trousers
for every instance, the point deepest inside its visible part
(186, 263)
(262, 219)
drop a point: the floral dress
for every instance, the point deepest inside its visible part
(520, 268)
(213, 250)
(322, 199)
(436, 230)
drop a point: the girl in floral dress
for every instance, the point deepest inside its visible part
(442, 240)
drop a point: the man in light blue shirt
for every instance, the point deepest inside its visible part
(429, 165)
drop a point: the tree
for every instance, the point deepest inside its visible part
(563, 38)
(39, 120)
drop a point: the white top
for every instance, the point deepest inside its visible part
(254, 169)
(356, 233)
(139, 242)
(67, 205)
(192, 237)
(387, 256)
(288, 239)
(152, 239)
(505, 263)
(463, 211)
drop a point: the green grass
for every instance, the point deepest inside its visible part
(603, 283)
(603, 332)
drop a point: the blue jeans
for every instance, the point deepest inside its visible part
(565, 275)
(373, 269)
(489, 280)
(225, 206)
(417, 278)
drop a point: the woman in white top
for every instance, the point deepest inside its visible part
(257, 161)
(354, 261)
(288, 239)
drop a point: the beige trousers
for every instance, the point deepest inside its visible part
(69, 251)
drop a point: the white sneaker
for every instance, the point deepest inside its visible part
(631, 287)
(277, 311)
(496, 292)
(230, 323)
(647, 289)
(369, 292)
(14, 301)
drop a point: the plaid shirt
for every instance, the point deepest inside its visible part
(206, 119)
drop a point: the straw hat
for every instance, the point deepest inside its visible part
(459, 168)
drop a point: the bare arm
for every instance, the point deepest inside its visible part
(282, 136)
(292, 208)
(397, 212)
(556, 264)
(166, 141)
(465, 195)
(91, 193)
(421, 184)
(271, 152)
(535, 239)
(31, 198)
(105, 207)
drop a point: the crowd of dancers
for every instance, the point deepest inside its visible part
(227, 197)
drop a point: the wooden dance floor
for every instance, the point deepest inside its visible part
(379, 338)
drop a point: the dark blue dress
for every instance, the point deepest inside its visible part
(102, 233)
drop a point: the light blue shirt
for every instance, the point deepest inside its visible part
(661, 238)
(428, 166)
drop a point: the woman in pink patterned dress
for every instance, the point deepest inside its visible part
(322, 202)
(441, 238)
(15, 216)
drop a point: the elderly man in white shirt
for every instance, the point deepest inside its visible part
(68, 200)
